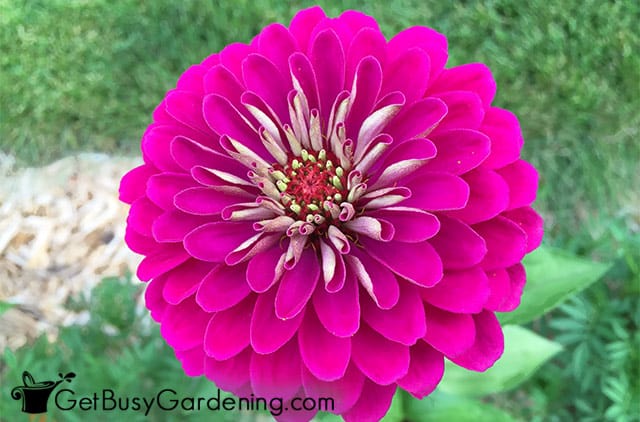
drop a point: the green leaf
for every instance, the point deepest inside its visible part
(4, 307)
(442, 407)
(552, 277)
(524, 353)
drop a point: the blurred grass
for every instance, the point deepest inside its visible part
(86, 74)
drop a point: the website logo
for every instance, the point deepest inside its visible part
(35, 395)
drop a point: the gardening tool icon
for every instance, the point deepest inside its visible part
(34, 394)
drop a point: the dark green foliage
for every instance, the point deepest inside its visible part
(116, 349)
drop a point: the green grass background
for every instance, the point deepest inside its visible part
(78, 75)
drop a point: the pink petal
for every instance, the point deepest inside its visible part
(409, 310)
(225, 119)
(191, 79)
(302, 70)
(162, 188)
(383, 198)
(381, 360)
(160, 115)
(213, 241)
(172, 129)
(155, 147)
(425, 371)
(403, 160)
(276, 44)
(263, 78)
(297, 285)
(489, 197)
(372, 126)
(518, 279)
(458, 245)
(530, 222)
(356, 20)
(186, 107)
(153, 297)
(368, 80)
(183, 281)
(139, 243)
(269, 123)
(211, 60)
(228, 331)
(417, 262)
(141, 216)
(417, 120)
(465, 110)
(174, 225)
(459, 150)
(192, 361)
(269, 333)
(366, 42)
(378, 281)
(296, 245)
(432, 42)
(475, 77)
(408, 73)
(345, 391)
(377, 229)
(500, 286)
(232, 55)
(210, 200)
(223, 288)
(230, 374)
(277, 374)
(506, 242)
(449, 333)
(134, 184)
(161, 261)
(216, 177)
(342, 30)
(250, 248)
(329, 73)
(303, 24)
(411, 225)
(503, 128)
(294, 410)
(333, 268)
(464, 291)
(189, 153)
(433, 191)
(183, 325)
(488, 346)
(219, 80)
(251, 211)
(522, 179)
(339, 312)
(265, 269)
(413, 149)
(506, 288)
(325, 355)
(373, 404)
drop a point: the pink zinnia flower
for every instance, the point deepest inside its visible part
(325, 213)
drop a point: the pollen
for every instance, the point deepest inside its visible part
(308, 180)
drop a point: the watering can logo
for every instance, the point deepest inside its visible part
(34, 394)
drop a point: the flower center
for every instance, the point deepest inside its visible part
(312, 185)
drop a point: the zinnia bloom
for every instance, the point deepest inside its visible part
(325, 213)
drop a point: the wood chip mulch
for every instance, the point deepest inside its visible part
(61, 232)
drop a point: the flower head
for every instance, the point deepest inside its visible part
(324, 213)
